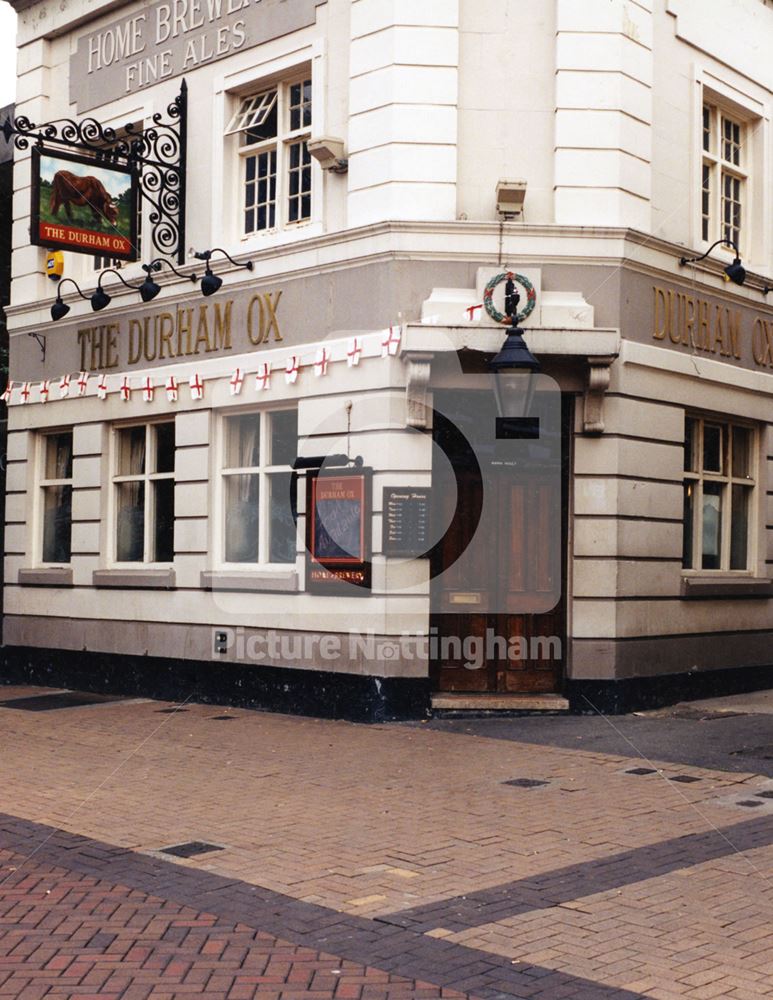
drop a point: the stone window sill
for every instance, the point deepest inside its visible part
(283, 581)
(46, 576)
(705, 587)
(139, 579)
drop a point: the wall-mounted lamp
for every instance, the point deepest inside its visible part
(60, 309)
(329, 153)
(734, 272)
(100, 299)
(149, 289)
(210, 283)
(510, 198)
(766, 289)
(514, 368)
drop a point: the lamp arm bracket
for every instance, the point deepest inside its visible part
(41, 339)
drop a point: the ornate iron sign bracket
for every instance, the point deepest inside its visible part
(157, 151)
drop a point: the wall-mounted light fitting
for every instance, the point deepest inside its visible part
(60, 309)
(510, 198)
(329, 153)
(211, 282)
(734, 272)
(149, 289)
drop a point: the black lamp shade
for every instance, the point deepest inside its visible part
(210, 283)
(514, 367)
(736, 272)
(100, 299)
(149, 289)
(59, 309)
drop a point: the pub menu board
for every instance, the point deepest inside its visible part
(406, 521)
(338, 508)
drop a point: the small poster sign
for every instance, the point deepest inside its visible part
(338, 531)
(406, 521)
(83, 205)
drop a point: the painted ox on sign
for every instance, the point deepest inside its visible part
(69, 189)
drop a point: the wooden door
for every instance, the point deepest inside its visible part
(518, 561)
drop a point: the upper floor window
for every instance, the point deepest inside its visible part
(144, 493)
(724, 176)
(259, 487)
(273, 126)
(719, 490)
(56, 485)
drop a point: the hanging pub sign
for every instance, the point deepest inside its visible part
(83, 205)
(338, 505)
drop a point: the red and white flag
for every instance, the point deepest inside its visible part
(237, 381)
(83, 383)
(391, 342)
(102, 387)
(197, 386)
(64, 386)
(172, 389)
(321, 362)
(292, 368)
(24, 395)
(44, 389)
(471, 310)
(6, 397)
(263, 376)
(148, 389)
(353, 352)
(126, 389)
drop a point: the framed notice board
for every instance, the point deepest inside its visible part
(406, 513)
(338, 530)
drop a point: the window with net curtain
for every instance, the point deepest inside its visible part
(56, 485)
(144, 493)
(259, 499)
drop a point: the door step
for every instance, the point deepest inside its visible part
(464, 703)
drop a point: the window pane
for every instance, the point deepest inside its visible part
(130, 522)
(131, 451)
(163, 528)
(57, 523)
(688, 523)
(690, 432)
(241, 518)
(165, 447)
(707, 128)
(741, 452)
(712, 525)
(282, 518)
(712, 447)
(739, 528)
(706, 202)
(284, 437)
(243, 441)
(59, 455)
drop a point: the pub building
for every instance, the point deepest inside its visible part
(275, 440)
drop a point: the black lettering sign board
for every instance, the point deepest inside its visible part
(406, 513)
(338, 528)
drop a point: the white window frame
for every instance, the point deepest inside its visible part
(282, 143)
(699, 477)
(264, 472)
(42, 484)
(147, 478)
(721, 167)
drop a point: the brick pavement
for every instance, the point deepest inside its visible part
(595, 883)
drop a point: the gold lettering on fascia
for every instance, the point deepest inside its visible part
(186, 331)
(700, 325)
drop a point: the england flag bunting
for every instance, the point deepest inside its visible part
(321, 362)
(172, 389)
(83, 383)
(263, 376)
(24, 396)
(44, 388)
(353, 351)
(6, 397)
(197, 386)
(64, 386)
(236, 382)
(291, 369)
(126, 389)
(102, 387)
(391, 342)
(148, 389)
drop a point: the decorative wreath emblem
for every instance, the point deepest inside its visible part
(488, 296)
